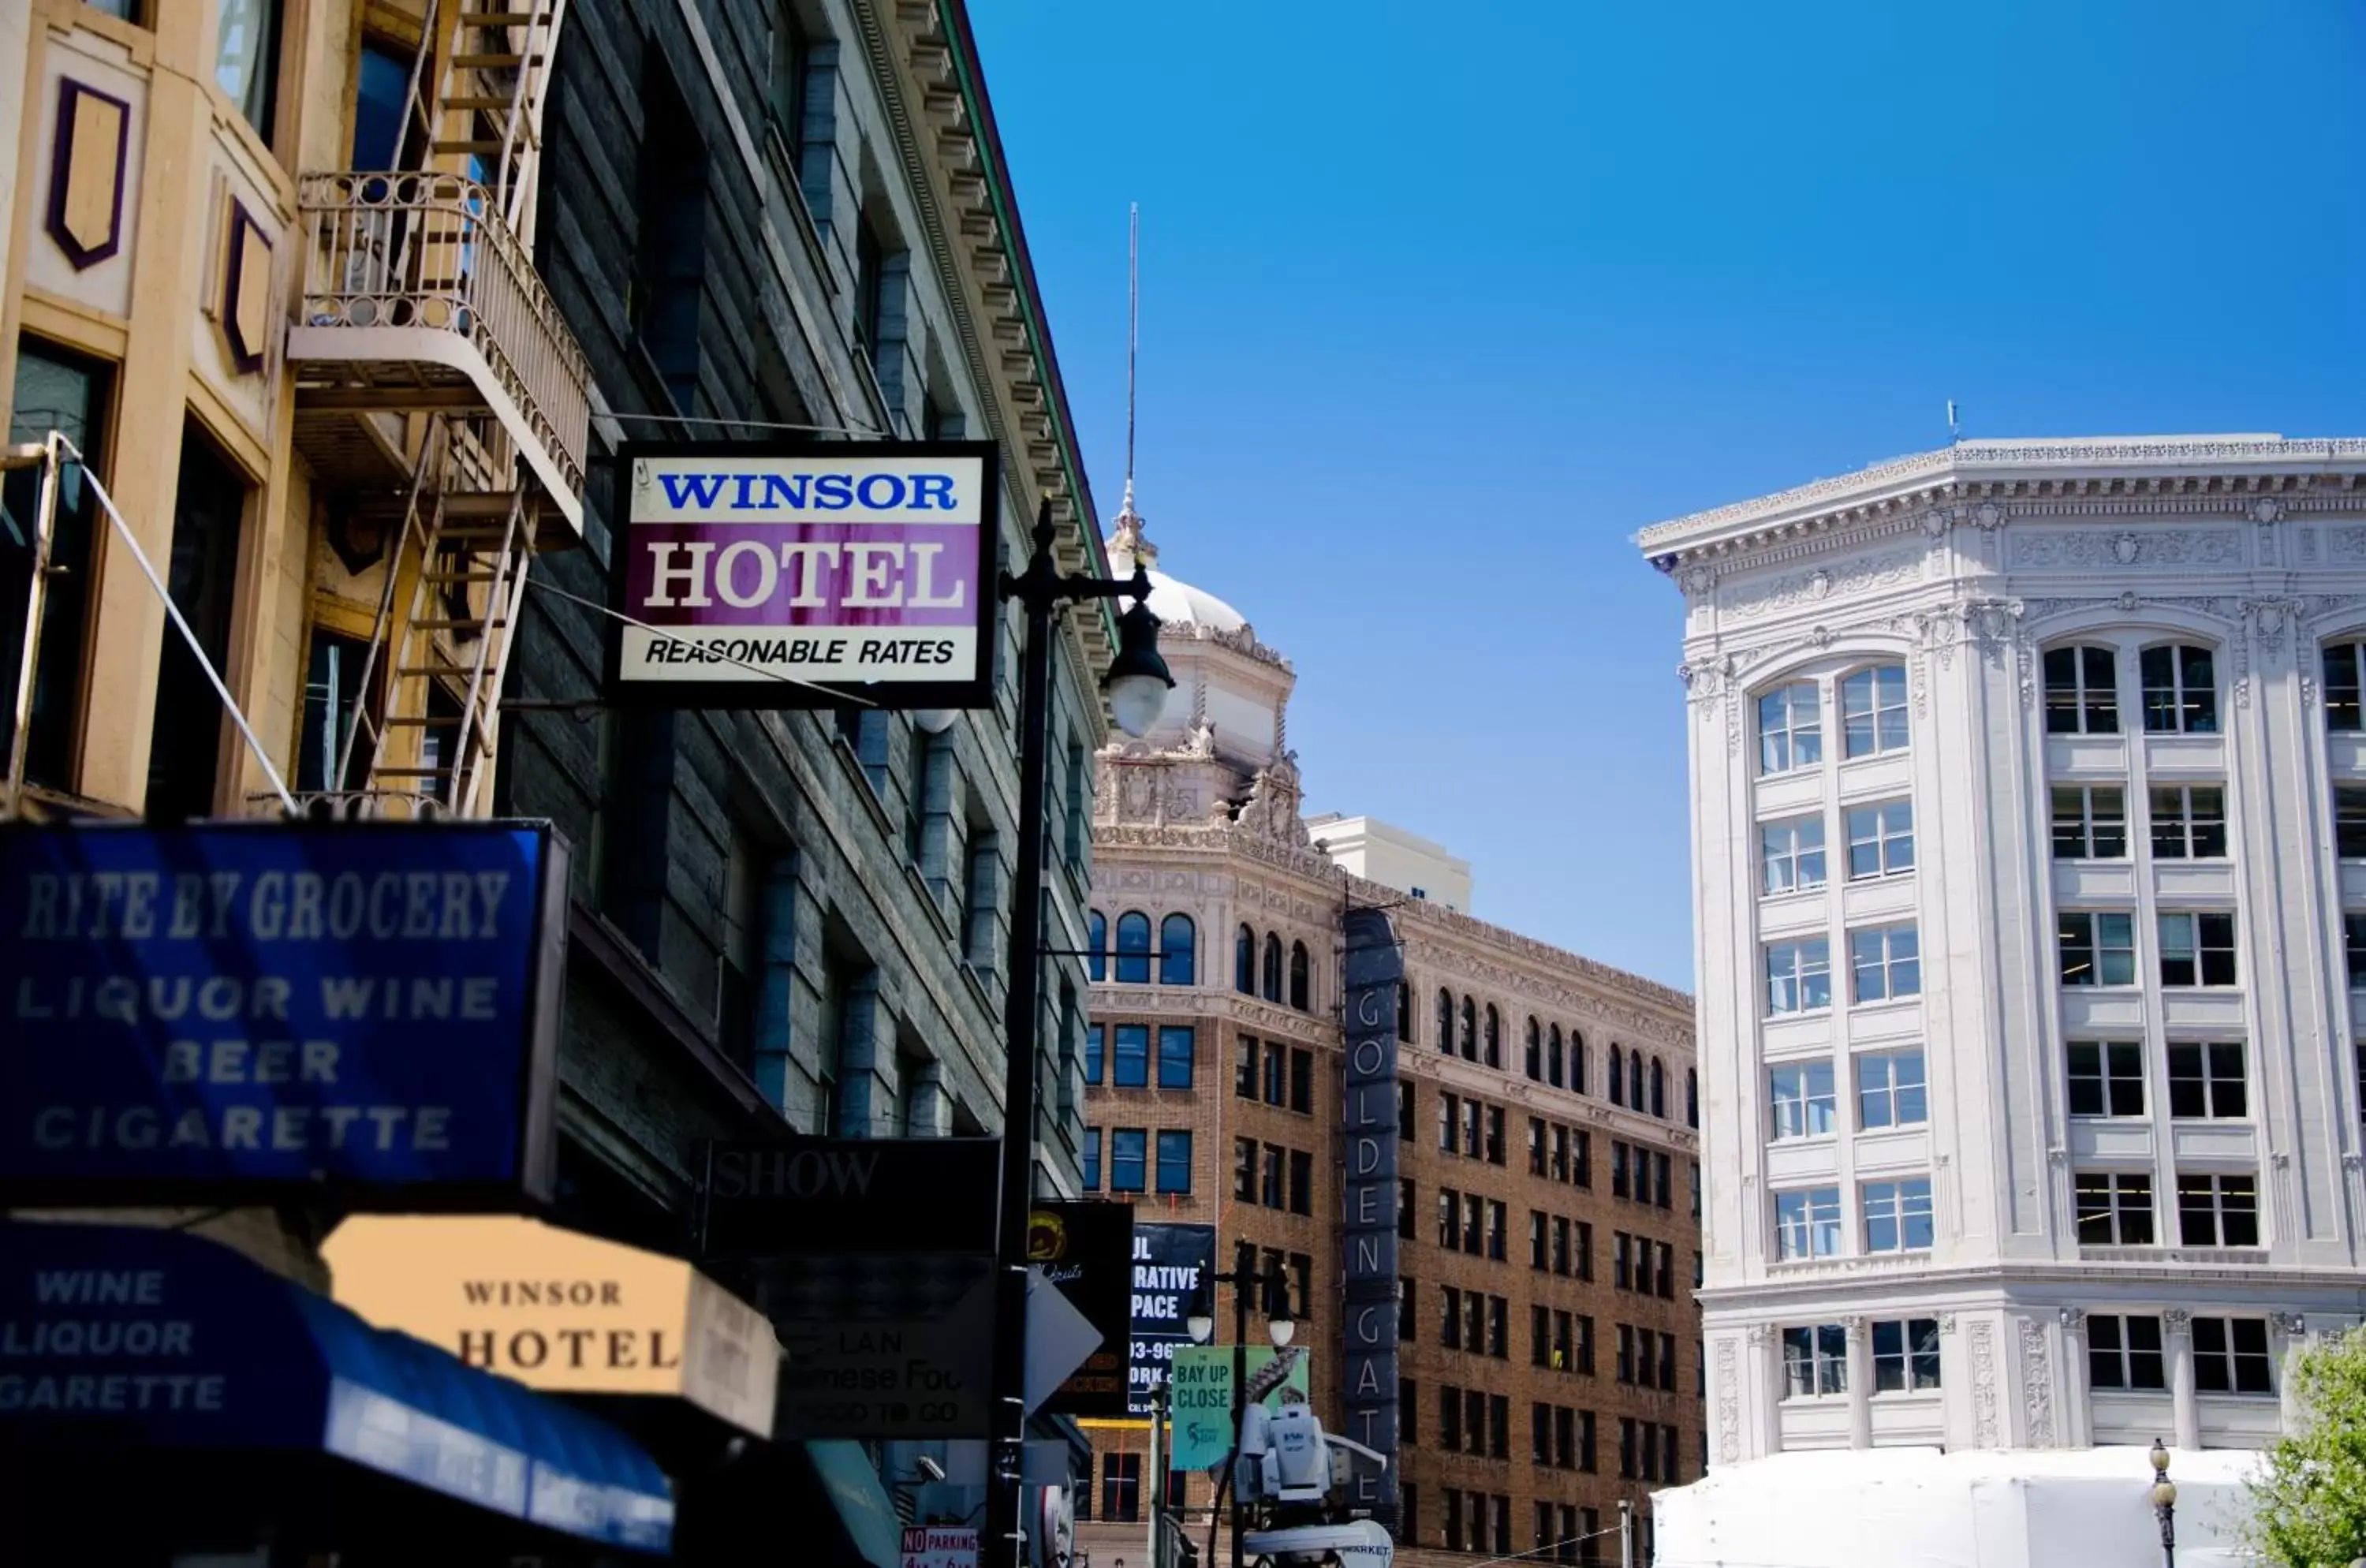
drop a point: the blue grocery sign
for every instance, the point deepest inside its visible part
(222, 1011)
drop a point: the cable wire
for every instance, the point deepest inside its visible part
(833, 693)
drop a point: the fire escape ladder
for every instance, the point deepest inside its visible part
(437, 662)
(488, 106)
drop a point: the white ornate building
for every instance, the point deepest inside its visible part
(2030, 868)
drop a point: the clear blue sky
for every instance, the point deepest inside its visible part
(1441, 305)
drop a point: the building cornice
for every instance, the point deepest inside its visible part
(932, 89)
(2203, 473)
(1432, 935)
(1886, 1281)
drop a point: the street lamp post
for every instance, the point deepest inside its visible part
(1279, 1328)
(1137, 685)
(2164, 1504)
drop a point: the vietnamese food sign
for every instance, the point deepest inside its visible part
(765, 574)
(220, 1012)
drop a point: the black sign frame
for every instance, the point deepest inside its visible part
(940, 1197)
(973, 693)
(1098, 1243)
(534, 1186)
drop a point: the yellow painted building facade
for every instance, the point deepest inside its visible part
(291, 377)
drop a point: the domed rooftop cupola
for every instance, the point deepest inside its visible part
(1229, 689)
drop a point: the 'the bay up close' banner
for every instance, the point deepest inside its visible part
(1202, 1406)
(792, 574)
(215, 1013)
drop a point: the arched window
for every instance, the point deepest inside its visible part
(1272, 968)
(1446, 1021)
(1552, 1056)
(1469, 1030)
(1301, 978)
(1133, 948)
(1495, 1039)
(1577, 1061)
(2181, 690)
(1692, 1097)
(1245, 962)
(2344, 663)
(1873, 710)
(1634, 1080)
(1179, 957)
(1659, 1090)
(1617, 1074)
(1096, 945)
(1405, 1014)
(1535, 1061)
(2082, 691)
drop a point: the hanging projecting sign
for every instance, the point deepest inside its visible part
(1374, 972)
(226, 1012)
(558, 1310)
(796, 575)
(1086, 1250)
(1169, 1263)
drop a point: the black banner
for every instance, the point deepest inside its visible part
(849, 1195)
(1170, 1264)
(1375, 968)
(1087, 1250)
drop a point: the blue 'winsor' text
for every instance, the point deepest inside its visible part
(818, 492)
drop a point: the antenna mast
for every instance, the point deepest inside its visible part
(1133, 331)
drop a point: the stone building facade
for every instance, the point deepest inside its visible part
(2027, 793)
(276, 265)
(1549, 1362)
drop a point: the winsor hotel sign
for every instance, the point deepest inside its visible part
(793, 575)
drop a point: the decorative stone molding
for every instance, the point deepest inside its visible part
(2128, 548)
(1948, 1322)
(1729, 1404)
(2345, 546)
(1853, 1326)
(1984, 1386)
(1859, 576)
(2177, 1320)
(2036, 1384)
(2073, 1320)
(2291, 1325)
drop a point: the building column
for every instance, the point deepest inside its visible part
(866, 1063)
(2292, 1329)
(929, 1110)
(1859, 1381)
(1765, 1356)
(775, 1033)
(2186, 1411)
(2077, 1423)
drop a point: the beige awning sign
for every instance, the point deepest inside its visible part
(560, 1311)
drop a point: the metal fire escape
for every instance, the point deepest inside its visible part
(438, 389)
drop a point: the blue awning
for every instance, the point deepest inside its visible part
(115, 1334)
(863, 1507)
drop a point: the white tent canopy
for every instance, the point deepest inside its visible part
(1925, 1508)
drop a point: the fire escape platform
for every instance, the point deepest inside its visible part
(418, 299)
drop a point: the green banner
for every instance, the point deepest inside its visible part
(1201, 1391)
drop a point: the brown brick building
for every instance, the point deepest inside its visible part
(1550, 1224)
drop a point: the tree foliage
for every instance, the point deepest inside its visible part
(2308, 1502)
